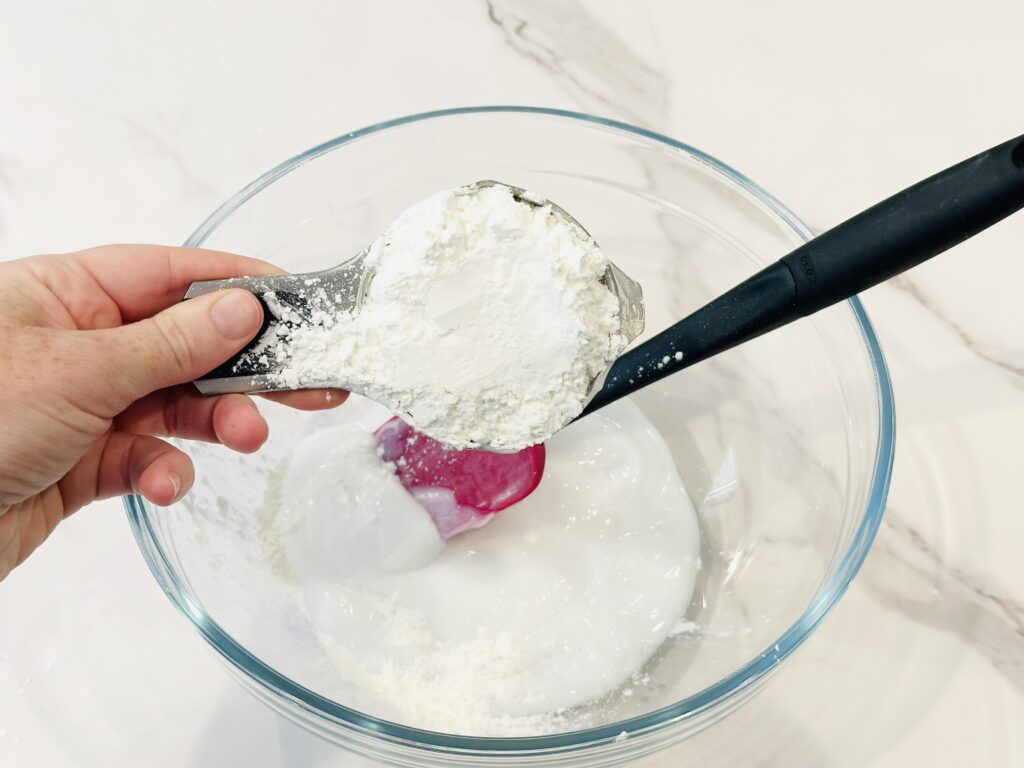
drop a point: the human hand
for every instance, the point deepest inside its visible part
(97, 354)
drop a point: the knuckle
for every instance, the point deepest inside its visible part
(175, 341)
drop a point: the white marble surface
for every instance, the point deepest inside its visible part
(124, 121)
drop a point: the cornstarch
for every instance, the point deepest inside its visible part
(485, 322)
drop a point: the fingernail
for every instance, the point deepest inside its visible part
(236, 314)
(176, 485)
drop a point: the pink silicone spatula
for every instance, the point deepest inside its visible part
(460, 489)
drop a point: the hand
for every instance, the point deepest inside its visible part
(96, 354)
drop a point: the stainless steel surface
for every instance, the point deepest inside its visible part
(339, 289)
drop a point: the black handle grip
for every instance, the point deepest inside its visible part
(889, 238)
(909, 228)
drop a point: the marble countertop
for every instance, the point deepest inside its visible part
(130, 121)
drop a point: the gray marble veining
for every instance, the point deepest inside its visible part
(593, 64)
(1009, 361)
(909, 575)
(155, 144)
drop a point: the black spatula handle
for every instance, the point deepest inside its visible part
(883, 241)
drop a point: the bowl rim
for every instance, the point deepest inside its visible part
(739, 680)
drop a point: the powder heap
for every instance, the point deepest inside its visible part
(484, 323)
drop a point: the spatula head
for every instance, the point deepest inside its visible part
(460, 489)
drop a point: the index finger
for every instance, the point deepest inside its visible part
(145, 279)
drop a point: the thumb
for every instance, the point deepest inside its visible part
(179, 344)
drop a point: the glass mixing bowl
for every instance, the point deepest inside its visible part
(785, 444)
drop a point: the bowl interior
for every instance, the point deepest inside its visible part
(778, 442)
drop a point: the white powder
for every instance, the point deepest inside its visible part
(522, 627)
(484, 324)
(444, 684)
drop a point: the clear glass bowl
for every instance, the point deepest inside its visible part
(785, 444)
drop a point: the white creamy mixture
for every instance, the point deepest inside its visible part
(485, 322)
(558, 601)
